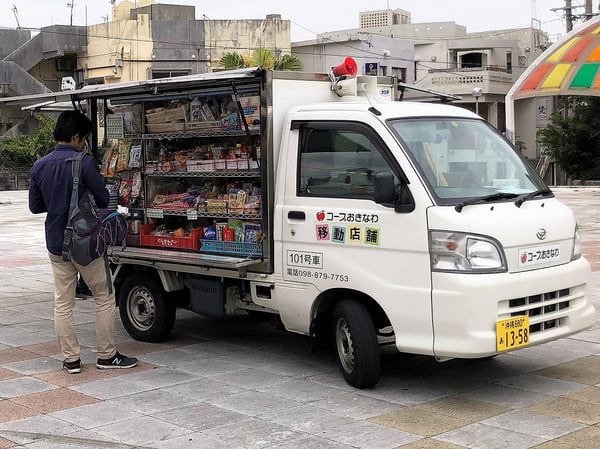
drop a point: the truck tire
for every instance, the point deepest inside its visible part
(146, 312)
(356, 346)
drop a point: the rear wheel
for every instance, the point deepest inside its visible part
(146, 312)
(356, 346)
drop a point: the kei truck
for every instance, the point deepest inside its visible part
(321, 200)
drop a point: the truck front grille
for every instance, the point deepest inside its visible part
(545, 310)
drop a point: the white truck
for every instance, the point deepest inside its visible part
(377, 219)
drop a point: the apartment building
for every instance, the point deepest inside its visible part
(480, 68)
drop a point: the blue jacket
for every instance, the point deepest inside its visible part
(50, 187)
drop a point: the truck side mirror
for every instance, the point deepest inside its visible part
(384, 189)
(386, 194)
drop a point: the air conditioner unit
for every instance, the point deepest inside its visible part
(67, 83)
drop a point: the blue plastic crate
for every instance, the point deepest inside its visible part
(240, 248)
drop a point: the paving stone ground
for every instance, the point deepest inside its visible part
(239, 383)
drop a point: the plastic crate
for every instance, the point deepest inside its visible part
(240, 248)
(162, 241)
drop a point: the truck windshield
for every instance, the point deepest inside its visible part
(465, 158)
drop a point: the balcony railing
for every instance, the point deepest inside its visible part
(461, 81)
(486, 68)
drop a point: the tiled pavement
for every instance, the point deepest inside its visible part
(241, 384)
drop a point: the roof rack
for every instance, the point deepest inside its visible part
(421, 94)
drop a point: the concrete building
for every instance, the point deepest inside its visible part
(157, 41)
(386, 17)
(143, 40)
(375, 55)
(448, 59)
(36, 64)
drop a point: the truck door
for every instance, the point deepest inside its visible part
(335, 236)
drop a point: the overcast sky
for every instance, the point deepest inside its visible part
(309, 17)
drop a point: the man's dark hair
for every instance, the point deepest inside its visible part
(71, 123)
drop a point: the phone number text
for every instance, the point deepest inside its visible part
(317, 275)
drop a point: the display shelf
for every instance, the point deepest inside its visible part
(206, 174)
(204, 133)
(165, 258)
(193, 214)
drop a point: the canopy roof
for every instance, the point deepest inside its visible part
(569, 67)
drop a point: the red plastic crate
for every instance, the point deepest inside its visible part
(192, 242)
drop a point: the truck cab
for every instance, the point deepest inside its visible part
(421, 218)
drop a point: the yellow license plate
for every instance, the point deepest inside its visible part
(512, 333)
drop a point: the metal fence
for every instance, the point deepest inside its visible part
(14, 178)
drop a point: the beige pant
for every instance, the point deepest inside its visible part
(65, 282)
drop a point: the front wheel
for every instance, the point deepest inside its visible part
(146, 312)
(356, 344)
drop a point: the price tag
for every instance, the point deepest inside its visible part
(192, 214)
(154, 213)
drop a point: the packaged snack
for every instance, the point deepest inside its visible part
(135, 155)
(111, 171)
(238, 227)
(252, 232)
(210, 233)
(125, 192)
(136, 187)
(220, 227)
(108, 154)
(123, 162)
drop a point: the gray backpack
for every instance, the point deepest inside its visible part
(90, 231)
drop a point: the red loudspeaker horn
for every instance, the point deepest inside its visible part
(348, 67)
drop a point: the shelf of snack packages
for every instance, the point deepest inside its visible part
(201, 139)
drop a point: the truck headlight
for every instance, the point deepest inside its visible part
(468, 253)
(576, 254)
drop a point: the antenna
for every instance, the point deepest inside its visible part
(71, 5)
(16, 13)
(533, 10)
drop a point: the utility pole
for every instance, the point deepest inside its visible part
(71, 5)
(569, 15)
(588, 10)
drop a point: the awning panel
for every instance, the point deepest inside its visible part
(569, 67)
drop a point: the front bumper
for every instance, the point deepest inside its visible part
(466, 307)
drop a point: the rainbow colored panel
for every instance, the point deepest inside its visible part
(556, 76)
(584, 79)
(594, 55)
(574, 65)
(558, 54)
(537, 76)
(574, 52)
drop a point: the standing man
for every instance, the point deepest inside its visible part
(50, 187)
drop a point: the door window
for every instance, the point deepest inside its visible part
(339, 161)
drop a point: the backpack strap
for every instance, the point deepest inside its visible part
(74, 205)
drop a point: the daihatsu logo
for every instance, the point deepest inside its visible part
(541, 234)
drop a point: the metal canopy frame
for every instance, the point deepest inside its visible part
(571, 66)
(135, 88)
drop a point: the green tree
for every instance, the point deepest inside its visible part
(288, 62)
(231, 61)
(262, 57)
(573, 139)
(24, 150)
